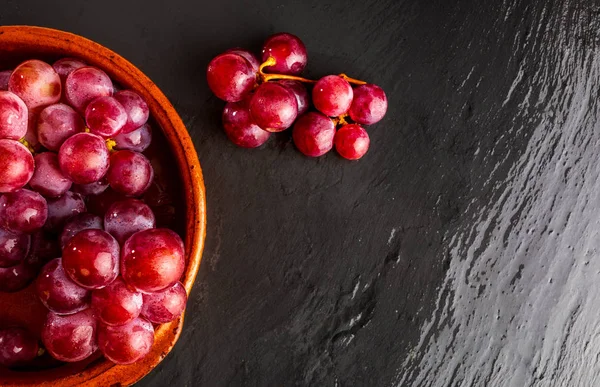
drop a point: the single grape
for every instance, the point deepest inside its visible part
(70, 338)
(130, 173)
(126, 344)
(249, 56)
(47, 178)
(77, 223)
(56, 123)
(273, 107)
(332, 95)
(288, 51)
(239, 126)
(91, 258)
(165, 306)
(95, 188)
(4, 77)
(136, 109)
(369, 104)
(105, 116)
(57, 292)
(300, 93)
(84, 158)
(126, 217)
(16, 165)
(36, 83)
(116, 304)
(152, 260)
(352, 141)
(137, 140)
(17, 347)
(231, 77)
(13, 248)
(84, 85)
(13, 116)
(313, 134)
(66, 66)
(23, 211)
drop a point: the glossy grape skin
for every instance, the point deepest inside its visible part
(352, 141)
(239, 126)
(126, 344)
(165, 306)
(23, 211)
(36, 83)
(369, 104)
(66, 66)
(332, 95)
(15, 278)
(61, 209)
(231, 77)
(56, 123)
(152, 260)
(13, 116)
(126, 217)
(116, 304)
(249, 56)
(4, 77)
(130, 173)
(58, 292)
(13, 248)
(47, 178)
(135, 107)
(273, 107)
(16, 165)
(313, 134)
(86, 84)
(91, 259)
(95, 188)
(105, 116)
(300, 92)
(17, 347)
(288, 51)
(84, 158)
(137, 140)
(77, 223)
(70, 338)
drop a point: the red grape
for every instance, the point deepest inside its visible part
(17, 347)
(369, 104)
(249, 56)
(56, 123)
(95, 188)
(165, 306)
(313, 134)
(240, 128)
(84, 158)
(137, 140)
(105, 116)
(126, 344)
(231, 77)
(66, 66)
(62, 209)
(79, 222)
(116, 304)
(23, 211)
(47, 177)
(332, 95)
(16, 165)
(4, 77)
(15, 278)
(70, 338)
(126, 217)
(57, 292)
(288, 51)
(91, 258)
(136, 109)
(152, 260)
(98, 204)
(13, 248)
(273, 107)
(86, 84)
(130, 173)
(36, 83)
(31, 136)
(13, 116)
(352, 141)
(300, 93)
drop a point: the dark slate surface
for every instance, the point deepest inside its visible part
(436, 260)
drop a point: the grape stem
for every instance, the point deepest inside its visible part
(341, 120)
(27, 145)
(352, 80)
(272, 77)
(110, 144)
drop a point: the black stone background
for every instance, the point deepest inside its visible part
(290, 238)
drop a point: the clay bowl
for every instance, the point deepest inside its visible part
(178, 197)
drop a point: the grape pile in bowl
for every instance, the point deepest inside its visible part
(76, 217)
(268, 97)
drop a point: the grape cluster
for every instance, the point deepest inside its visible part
(70, 138)
(271, 97)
